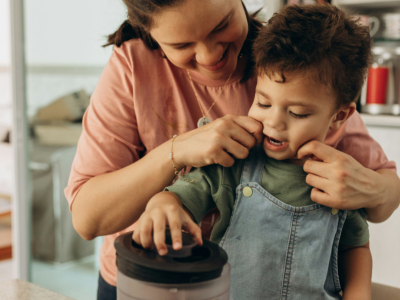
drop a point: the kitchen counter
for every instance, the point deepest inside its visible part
(21, 290)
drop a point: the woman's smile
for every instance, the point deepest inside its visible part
(220, 64)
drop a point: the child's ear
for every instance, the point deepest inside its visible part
(341, 115)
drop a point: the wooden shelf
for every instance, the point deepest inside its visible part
(367, 3)
(381, 120)
(5, 244)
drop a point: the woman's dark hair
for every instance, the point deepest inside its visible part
(320, 40)
(139, 22)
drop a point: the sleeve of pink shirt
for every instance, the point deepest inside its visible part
(110, 139)
(353, 138)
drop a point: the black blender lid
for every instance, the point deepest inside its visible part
(203, 263)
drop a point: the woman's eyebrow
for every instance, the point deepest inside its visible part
(226, 18)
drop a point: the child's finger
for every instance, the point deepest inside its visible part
(136, 234)
(146, 233)
(159, 234)
(175, 227)
(194, 230)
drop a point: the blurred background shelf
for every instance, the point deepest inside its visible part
(381, 120)
(367, 3)
(5, 228)
(5, 243)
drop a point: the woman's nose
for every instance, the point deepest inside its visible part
(209, 53)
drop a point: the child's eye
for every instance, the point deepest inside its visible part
(263, 105)
(298, 116)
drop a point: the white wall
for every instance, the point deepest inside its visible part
(5, 66)
(70, 32)
(63, 46)
(5, 47)
(385, 237)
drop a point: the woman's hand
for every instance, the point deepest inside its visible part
(219, 142)
(164, 209)
(340, 181)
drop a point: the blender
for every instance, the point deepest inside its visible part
(192, 273)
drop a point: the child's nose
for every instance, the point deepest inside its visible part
(276, 121)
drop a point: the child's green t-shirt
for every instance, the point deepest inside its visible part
(215, 186)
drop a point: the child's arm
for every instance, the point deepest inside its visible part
(163, 209)
(355, 272)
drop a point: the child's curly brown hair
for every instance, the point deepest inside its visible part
(320, 41)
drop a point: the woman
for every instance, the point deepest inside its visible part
(175, 64)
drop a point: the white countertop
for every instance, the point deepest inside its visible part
(16, 289)
(381, 120)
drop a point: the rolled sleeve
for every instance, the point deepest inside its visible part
(355, 231)
(199, 196)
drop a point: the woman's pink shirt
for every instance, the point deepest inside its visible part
(142, 100)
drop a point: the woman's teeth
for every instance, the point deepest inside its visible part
(275, 142)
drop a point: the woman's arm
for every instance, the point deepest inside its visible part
(341, 182)
(111, 202)
(355, 272)
(387, 201)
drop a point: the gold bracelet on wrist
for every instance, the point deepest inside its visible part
(177, 173)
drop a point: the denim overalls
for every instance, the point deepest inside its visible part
(278, 251)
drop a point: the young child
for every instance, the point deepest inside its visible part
(311, 63)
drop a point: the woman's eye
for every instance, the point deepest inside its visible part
(222, 28)
(298, 116)
(263, 105)
(182, 46)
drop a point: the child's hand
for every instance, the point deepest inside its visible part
(164, 209)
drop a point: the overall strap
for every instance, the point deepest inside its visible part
(254, 165)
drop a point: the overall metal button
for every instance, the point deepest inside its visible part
(247, 191)
(334, 211)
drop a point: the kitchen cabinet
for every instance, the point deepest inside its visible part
(54, 238)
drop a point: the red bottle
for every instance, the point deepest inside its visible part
(377, 84)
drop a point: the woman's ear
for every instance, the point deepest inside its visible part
(341, 115)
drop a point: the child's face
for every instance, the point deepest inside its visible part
(292, 113)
